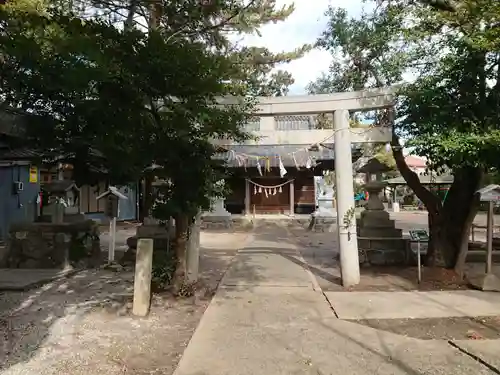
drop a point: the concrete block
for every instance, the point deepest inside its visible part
(488, 282)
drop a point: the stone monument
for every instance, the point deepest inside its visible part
(217, 217)
(325, 215)
(379, 241)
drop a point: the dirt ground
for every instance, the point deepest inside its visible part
(321, 255)
(458, 328)
(82, 324)
(386, 279)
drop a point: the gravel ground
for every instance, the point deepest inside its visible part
(82, 325)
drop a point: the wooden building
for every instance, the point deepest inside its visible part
(276, 179)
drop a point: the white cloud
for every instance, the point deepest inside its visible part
(303, 26)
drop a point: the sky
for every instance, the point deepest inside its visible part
(303, 26)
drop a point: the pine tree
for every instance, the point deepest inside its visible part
(210, 21)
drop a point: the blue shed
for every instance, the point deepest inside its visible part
(19, 175)
(19, 193)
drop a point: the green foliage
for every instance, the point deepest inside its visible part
(348, 219)
(100, 95)
(163, 269)
(384, 156)
(135, 98)
(214, 23)
(449, 113)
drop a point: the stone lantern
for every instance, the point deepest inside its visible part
(379, 241)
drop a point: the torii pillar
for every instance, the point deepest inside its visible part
(346, 217)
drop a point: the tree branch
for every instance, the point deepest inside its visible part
(431, 202)
(441, 5)
(129, 22)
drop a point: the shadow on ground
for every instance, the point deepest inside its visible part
(82, 324)
(319, 251)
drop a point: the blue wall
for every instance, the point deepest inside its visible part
(17, 207)
(127, 209)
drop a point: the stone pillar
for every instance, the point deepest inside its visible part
(57, 213)
(347, 237)
(142, 280)
(395, 203)
(292, 198)
(247, 197)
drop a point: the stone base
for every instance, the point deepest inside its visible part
(159, 234)
(380, 232)
(211, 222)
(380, 242)
(324, 224)
(54, 246)
(377, 215)
(488, 282)
(371, 222)
(382, 252)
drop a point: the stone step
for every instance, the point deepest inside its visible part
(216, 223)
(325, 224)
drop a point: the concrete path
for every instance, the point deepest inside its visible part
(486, 351)
(411, 305)
(267, 319)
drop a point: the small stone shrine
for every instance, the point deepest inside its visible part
(61, 202)
(379, 241)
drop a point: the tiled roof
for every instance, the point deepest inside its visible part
(426, 180)
(12, 122)
(415, 162)
(19, 154)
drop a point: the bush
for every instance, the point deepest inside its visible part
(164, 263)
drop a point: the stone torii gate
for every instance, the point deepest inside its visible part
(340, 104)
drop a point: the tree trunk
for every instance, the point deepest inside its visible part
(147, 198)
(181, 242)
(464, 246)
(193, 250)
(448, 224)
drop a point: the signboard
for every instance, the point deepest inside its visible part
(111, 207)
(492, 196)
(33, 174)
(419, 241)
(490, 193)
(420, 235)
